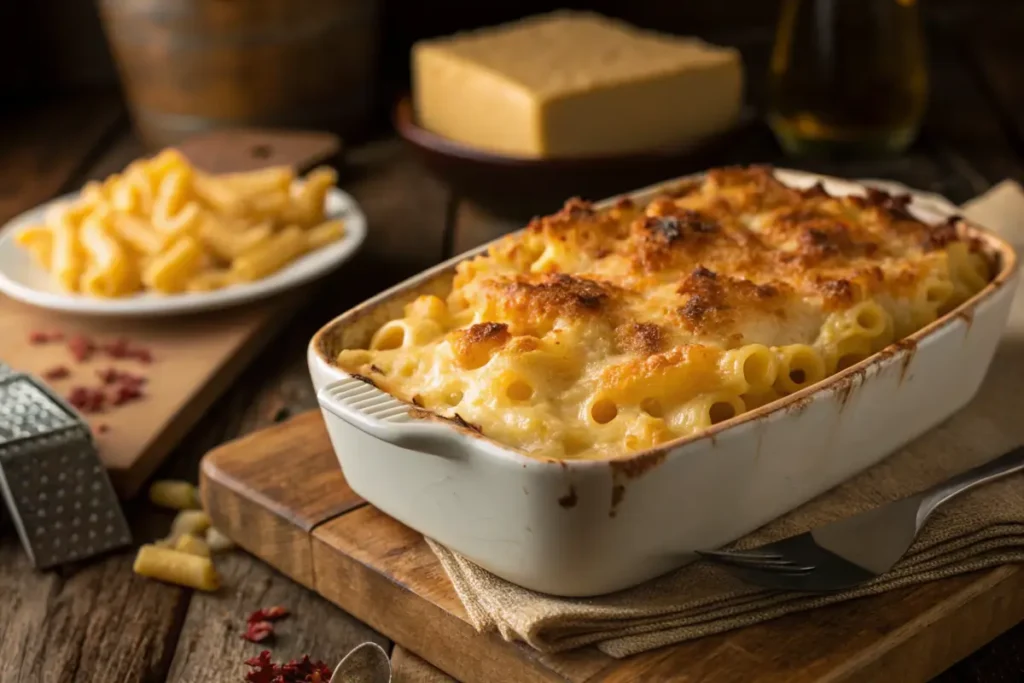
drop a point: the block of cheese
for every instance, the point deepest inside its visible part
(574, 84)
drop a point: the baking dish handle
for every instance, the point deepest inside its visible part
(382, 416)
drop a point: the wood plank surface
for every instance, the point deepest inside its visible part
(94, 624)
(407, 667)
(195, 359)
(211, 647)
(44, 148)
(383, 573)
(271, 511)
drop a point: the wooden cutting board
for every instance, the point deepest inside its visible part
(194, 357)
(281, 495)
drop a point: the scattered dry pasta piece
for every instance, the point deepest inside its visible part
(270, 256)
(174, 566)
(38, 240)
(170, 271)
(217, 541)
(193, 522)
(324, 234)
(193, 545)
(177, 495)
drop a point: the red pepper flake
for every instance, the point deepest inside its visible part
(38, 337)
(102, 428)
(268, 614)
(81, 348)
(258, 631)
(87, 399)
(304, 670)
(126, 393)
(56, 372)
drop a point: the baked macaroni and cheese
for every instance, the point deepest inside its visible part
(594, 333)
(166, 227)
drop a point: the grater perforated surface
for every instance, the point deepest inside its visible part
(55, 486)
(25, 411)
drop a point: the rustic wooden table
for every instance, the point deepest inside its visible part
(99, 622)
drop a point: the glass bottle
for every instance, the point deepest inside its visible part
(847, 77)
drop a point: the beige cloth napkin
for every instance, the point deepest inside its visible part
(981, 529)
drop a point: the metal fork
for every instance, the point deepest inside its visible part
(851, 551)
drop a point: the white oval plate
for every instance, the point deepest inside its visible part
(21, 277)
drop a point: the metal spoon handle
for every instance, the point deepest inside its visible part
(982, 474)
(366, 663)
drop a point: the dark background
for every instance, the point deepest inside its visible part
(49, 46)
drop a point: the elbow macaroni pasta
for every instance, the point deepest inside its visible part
(594, 333)
(163, 226)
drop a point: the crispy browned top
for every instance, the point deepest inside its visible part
(595, 332)
(707, 257)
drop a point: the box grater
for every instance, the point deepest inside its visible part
(56, 489)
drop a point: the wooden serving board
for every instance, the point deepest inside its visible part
(281, 495)
(195, 357)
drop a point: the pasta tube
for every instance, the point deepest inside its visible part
(174, 566)
(270, 256)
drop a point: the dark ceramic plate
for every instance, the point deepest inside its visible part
(519, 187)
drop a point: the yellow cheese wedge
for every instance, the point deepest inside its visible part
(571, 84)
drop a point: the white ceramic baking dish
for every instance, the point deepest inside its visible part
(580, 528)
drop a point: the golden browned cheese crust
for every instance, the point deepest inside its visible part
(595, 332)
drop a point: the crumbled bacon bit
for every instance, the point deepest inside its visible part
(304, 670)
(115, 376)
(108, 376)
(56, 372)
(268, 614)
(42, 337)
(258, 631)
(87, 399)
(117, 348)
(122, 348)
(81, 347)
(258, 627)
(126, 393)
